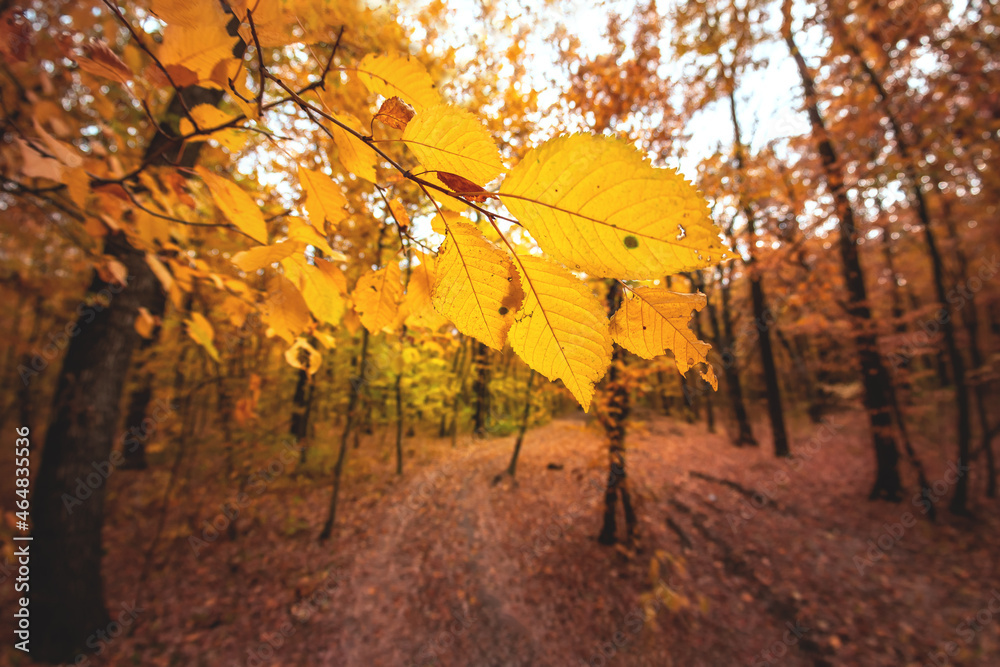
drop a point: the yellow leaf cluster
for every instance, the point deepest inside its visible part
(399, 76)
(376, 297)
(445, 138)
(236, 205)
(597, 205)
(562, 329)
(476, 286)
(653, 321)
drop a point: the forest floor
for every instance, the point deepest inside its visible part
(442, 567)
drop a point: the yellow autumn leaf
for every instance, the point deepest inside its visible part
(376, 297)
(653, 320)
(303, 356)
(325, 199)
(235, 309)
(201, 332)
(476, 286)
(417, 303)
(398, 212)
(285, 311)
(194, 41)
(77, 186)
(326, 339)
(395, 113)
(145, 323)
(306, 233)
(208, 116)
(399, 76)
(322, 286)
(561, 331)
(596, 204)
(441, 220)
(258, 258)
(236, 205)
(353, 153)
(446, 138)
(285, 22)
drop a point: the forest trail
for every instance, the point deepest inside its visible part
(440, 567)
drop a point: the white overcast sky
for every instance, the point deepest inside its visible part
(771, 112)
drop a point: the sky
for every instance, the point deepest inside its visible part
(766, 117)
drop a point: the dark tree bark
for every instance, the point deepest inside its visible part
(727, 345)
(481, 388)
(959, 500)
(512, 468)
(357, 385)
(301, 401)
(875, 377)
(706, 389)
(763, 317)
(613, 417)
(399, 422)
(68, 508)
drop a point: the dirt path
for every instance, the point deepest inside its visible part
(742, 559)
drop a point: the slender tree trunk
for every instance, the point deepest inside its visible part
(397, 387)
(357, 385)
(481, 388)
(727, 345)
(763, 317)
(706, 390)
(614, 418)
(512, 467)
(970, 317)
(300, 400)
(875, 377)
(959, 501)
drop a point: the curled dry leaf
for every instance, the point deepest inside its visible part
(399, 214)
(465, 188)
(145, 323)
(15, 37)
(98, 59)
(396, 113)
(112, 272)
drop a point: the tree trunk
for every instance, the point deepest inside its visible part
(733, 386)
(481, 388)
(614, 416)
(399, 423)
(761, 314)
(512, 468)
(357, 384)
(875, 377)
(298, 427)
(706, 390)
(959, 501)
(68, 512)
